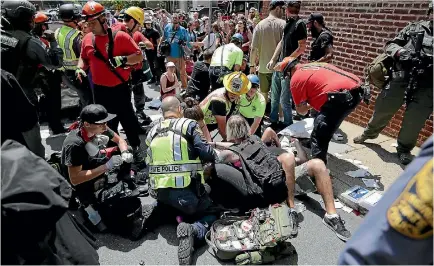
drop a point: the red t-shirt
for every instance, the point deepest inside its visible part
(311, 82)
(124, 45)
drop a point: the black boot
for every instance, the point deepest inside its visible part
(186, 234)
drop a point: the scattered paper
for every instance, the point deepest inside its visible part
(155, 104)
(338, 155)
(338, 204)
(300, 129)
(394, 144)
(358, 173)
(373, 198)
(347, 209)
(370, 182)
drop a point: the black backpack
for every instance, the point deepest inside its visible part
(261, 169)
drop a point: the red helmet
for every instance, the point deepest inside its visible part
(40, 18)
(92, 10)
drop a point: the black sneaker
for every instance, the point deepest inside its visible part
(293, 215)
(185, 234)
(338, 226)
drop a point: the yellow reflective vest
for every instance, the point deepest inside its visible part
(217, 95)
(168, 158)
(65, 38)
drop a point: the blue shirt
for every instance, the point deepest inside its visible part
(399, 229)
(180, 35)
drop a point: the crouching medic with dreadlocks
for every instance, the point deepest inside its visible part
(101, 176)
(176, 151)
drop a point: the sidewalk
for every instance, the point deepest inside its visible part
(377, 156)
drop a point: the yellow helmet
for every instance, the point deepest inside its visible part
(136, 13)
(237, 83)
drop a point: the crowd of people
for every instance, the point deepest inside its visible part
(240, 78)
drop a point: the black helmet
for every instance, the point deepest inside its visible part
(18, 9)
(70, 12)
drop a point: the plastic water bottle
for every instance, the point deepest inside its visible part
(95, 218)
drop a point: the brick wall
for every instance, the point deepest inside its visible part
(361, 28)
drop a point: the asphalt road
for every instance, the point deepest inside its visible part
(315, 243)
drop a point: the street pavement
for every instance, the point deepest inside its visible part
(315, 243)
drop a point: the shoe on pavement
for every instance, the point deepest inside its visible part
(337, 225)
(138, 228)
(293, 215)
(405, 157)
(360, 139)
(185, 234)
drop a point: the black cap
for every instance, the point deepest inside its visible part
(318, 17)
(95, 114)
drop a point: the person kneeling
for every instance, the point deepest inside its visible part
(101, 179)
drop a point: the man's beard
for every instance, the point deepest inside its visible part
(314, 32)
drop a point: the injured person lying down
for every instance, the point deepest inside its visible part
(255, 172)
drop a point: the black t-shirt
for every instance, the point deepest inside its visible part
(320, 45)
(152, 35)
(217, 108)
(74, 154)
(199, 83)
(294, 31)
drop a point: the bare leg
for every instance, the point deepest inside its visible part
(318, 169)
(270, 136)
(288, 164)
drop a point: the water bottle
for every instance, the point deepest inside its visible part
(95, 218)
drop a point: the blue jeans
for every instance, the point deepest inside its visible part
(186, 201)
(280, 94)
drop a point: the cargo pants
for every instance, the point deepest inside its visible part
(388, 103)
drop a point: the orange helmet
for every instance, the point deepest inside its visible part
(40, 18)
(92, 10)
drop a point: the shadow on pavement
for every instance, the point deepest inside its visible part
(384, 154)
(312, 205)
(341, 181)
(120, 243)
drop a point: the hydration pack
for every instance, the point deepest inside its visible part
(255, 239)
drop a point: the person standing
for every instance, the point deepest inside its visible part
(176, 151)
(266, 36)
(293, 44)
(25, 54)
(68, 36)
(333, 92)
(420, 106)
(111, 59)
(244, 30)
(199, 84)
(321, 48)
(177, 36)
(151, 54)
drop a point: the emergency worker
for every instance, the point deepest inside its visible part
(252, 106)
(176, 151)
(24, 54)
(69, 39)
(333, 92)
(111, 59)
(399, 229)
(49, 82)
(322, 45)
(226, 58)
(419, 102)
(91, 166)
(220, 104)
(132, 22)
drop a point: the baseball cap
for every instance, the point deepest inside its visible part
(287, 63)
(95, 114)
(170, 64)
(318, 17)
(238, 37)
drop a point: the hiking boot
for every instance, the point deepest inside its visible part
(138, 228)
(405, 157)
(185, 234)
(293, 217)
(360, 139)
(337, 225)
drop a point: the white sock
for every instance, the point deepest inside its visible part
(330, 216)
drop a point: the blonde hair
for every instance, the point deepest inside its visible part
(237, 128)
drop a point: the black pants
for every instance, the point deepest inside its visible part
(50, 86)
(151, 55)
(82, 88)
(117, 100)
(214, 76)
(328, 121)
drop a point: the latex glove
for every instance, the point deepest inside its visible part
(271, 64)
(49, 35)
(118, 61)
(127, 157)
(80, 73)
(115, 161)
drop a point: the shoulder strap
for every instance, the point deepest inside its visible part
(99, 55)
(175, 129)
